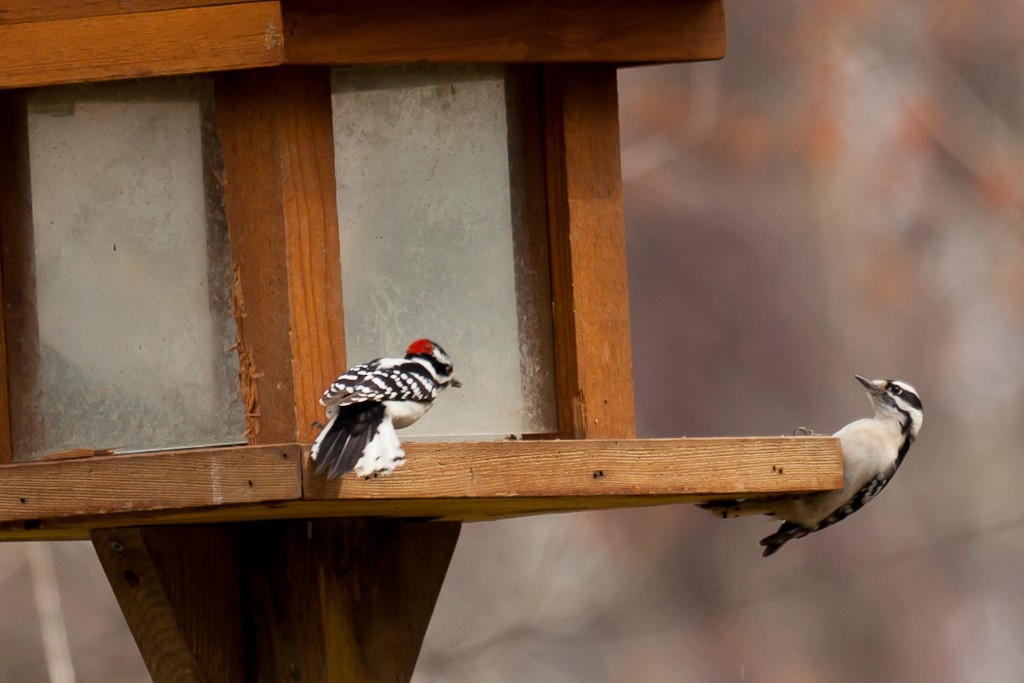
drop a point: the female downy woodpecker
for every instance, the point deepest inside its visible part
(369, 402)
(873, 449)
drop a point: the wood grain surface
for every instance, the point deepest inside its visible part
(590, 296)
(20, 11)
(466, 481)
(447, 31)
(177, 588)
(97, 48)
(148, 481)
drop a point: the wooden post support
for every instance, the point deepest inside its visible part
(178, 590)
(342, 599)
(308, 600)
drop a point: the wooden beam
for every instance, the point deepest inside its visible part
(588, 253)
(96, 48)
(465, 481)
(595, 468)
(148, 481)
(448, 31)
(178, 590)
(277, 138)
(22, 11)
(447, 510)
(392, 575)
(350, 602)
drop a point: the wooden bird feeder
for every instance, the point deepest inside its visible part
(209, 207)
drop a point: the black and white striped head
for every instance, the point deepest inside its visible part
(896, 399)
(436, 360)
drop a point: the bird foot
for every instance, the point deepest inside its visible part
(383, 467)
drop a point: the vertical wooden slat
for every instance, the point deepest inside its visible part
(277, 142)
(19, 333)
(588, 252)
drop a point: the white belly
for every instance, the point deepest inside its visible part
(869, 450)
(404, 413)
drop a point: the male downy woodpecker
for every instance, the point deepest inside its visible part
(873, 449)
(369, 402)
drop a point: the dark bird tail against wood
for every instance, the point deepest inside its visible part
(367, 403)
(344, 439)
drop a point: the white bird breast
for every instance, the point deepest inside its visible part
(404, 413)
(870, 447)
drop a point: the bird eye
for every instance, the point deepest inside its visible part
(895, 390)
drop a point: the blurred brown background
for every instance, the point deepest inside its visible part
(842, 194)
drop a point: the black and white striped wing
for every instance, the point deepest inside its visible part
(859, 500)
(386, 379)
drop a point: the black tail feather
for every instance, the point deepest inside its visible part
(787, 532)
(346, 438)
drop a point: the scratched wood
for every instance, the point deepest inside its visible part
(150, 481)
(466, 481)
(588, 252)
(118, 46)
(276, 131)
(405, 31)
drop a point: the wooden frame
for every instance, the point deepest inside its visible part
(277, 147)
(342, 576)
(107, 39)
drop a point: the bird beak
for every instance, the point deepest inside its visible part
(455, 383)
(875, 388)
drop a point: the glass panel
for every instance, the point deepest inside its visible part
(129, 340)
(440, 200)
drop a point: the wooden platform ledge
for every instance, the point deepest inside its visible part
(465, 481)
